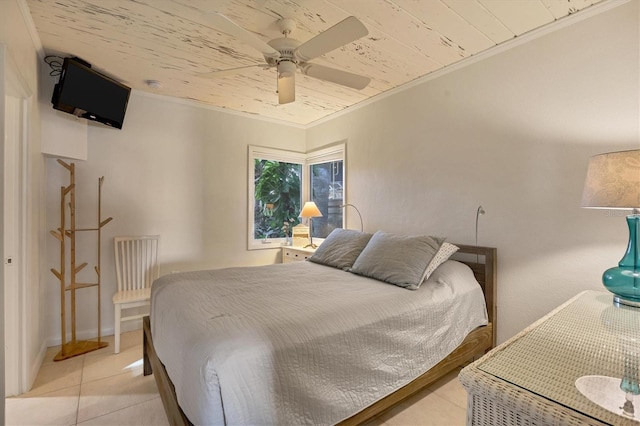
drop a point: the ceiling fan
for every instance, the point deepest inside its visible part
(288, 55)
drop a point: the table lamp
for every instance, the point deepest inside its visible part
(310, 210)
(613, 182)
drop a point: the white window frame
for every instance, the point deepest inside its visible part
(323, 155)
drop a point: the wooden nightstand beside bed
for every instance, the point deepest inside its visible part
(339, 309)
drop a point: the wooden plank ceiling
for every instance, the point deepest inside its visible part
(171, 41)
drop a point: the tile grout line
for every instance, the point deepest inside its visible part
(446, 397)
(119, 409)
(155, 396)
(80, 390)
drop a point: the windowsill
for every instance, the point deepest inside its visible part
(275, 244)
(269, 245)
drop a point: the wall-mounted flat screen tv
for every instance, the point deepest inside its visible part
(86, 93)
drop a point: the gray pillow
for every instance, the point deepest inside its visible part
(397, 259)
(341, 248)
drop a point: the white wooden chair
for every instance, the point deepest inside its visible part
(137, 266)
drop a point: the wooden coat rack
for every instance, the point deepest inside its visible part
(75, 347)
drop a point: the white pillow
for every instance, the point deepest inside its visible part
(445, 251)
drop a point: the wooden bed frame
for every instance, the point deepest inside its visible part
(476, 343)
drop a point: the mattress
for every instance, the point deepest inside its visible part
(302, 343)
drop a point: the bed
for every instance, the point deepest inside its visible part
(322, 358)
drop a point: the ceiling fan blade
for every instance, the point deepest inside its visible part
(224, 24)
(333, 75)
(287, 89)
(344, 32)
(230, 71)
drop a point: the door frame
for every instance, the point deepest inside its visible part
(15, 342)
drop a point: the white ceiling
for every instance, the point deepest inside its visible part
(172, 42)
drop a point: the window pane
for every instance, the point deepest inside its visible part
(327, 192)
(277, 197)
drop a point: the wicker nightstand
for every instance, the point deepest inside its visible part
(531, 378)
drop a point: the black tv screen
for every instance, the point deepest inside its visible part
(86, 93)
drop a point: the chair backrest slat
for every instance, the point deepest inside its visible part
(136, 260)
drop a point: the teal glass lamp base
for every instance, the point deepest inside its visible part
(624, 280)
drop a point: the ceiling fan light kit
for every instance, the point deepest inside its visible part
(286, 69)
(288, 55)
(286, 82)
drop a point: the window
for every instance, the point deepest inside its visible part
(280, 180)
(275, 194)
(326, 187)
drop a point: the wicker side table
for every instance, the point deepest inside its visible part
(530, 379)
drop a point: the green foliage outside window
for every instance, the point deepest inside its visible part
(277, 197)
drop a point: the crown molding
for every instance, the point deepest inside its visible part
(527, 37)
(31, 27)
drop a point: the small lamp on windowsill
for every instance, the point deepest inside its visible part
(613, 182)
(310, 210)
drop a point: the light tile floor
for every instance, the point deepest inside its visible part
(102, 388)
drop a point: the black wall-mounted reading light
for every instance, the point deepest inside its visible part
(479, 213)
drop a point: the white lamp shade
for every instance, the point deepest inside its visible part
(286, 82)
(310, 210)
(613, 181)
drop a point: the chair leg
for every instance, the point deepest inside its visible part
(118, 311)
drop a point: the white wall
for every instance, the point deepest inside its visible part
(174, 169)
(514, 133)
(20, 50)
(66, 134)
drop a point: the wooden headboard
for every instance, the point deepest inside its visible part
(483, 262)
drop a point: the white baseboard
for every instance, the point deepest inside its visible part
(35, 367)
(91, 334)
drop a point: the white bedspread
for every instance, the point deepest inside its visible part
(300, 343)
